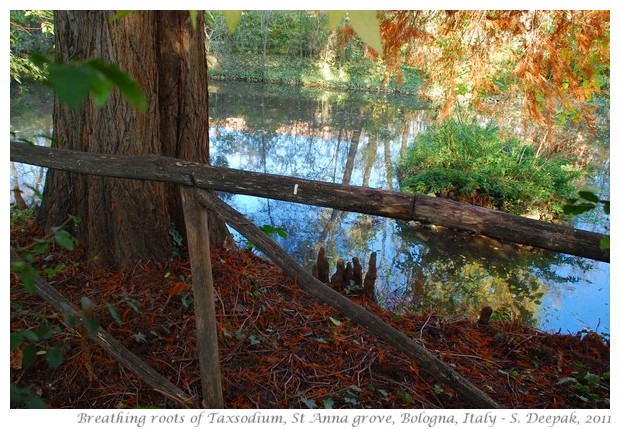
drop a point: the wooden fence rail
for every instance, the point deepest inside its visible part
(390, 204)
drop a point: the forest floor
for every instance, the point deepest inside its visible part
(281, 348)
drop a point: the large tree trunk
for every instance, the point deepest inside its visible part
(124, 221)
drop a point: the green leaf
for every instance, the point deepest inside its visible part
(335, 321)
(575, 209)
(310, 403)
(115, 315)
(24, 396)
(367, 26)
(92, 324)
(128, 87)
(267, 229)
(100, 88)
(604, 243)
(86, 303)
(30, 335)
(606, 206)
(232, 18)
(16, 340)
(139, 337)
(29, 355)
(193, 16)
(589, 196)
(39, 247)
(52, 272)
(64, 238)
(70, 82)
(121, 14)
(566, 380)
(334, 18)
(27, 277)
(44, 331)
(328, 403)
(54, 356)
(253, 339)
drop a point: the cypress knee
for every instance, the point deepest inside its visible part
(485, 315)
(371, 275)
(338, 277)
(348, 274)
(357, 272)
(322, 266)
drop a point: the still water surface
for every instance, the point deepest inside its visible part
(357, 139)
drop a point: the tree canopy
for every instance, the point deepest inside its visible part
(554, 63)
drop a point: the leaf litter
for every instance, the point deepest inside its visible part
(281, 348)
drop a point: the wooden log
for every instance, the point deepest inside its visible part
(358, 199)
(110, 344)
(506, 226)
(197, 227)
(358, 314)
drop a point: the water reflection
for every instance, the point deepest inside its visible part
(356, 138)
(31, 120)
(353, 139)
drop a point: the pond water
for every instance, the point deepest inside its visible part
(357, 139)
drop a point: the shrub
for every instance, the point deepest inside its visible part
(472, 163)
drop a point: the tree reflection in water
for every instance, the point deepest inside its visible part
(356, 138)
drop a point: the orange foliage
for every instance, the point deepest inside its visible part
(548, 61)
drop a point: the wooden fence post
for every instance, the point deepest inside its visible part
(197, 227)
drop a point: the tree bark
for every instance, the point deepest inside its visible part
(127, 220)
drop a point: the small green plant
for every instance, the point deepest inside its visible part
(29, 344)
(177, 241)
(24, 268)
(270, 230)
(585, 386)
(20, 216)
(22, 396)
(274, 230)
(472, 163)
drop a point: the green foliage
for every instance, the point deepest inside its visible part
(586, 384)
(30, 31)
(274, 230)
(355, 74)
(473, 163)
(74, 81)
(22, 396)
(31, 342)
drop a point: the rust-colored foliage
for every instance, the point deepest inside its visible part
(549, 61)
(280, 348)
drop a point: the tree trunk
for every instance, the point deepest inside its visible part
(126, 221)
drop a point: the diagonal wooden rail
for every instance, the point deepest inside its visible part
(108, 343)
(358, 314)
(390, 204)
